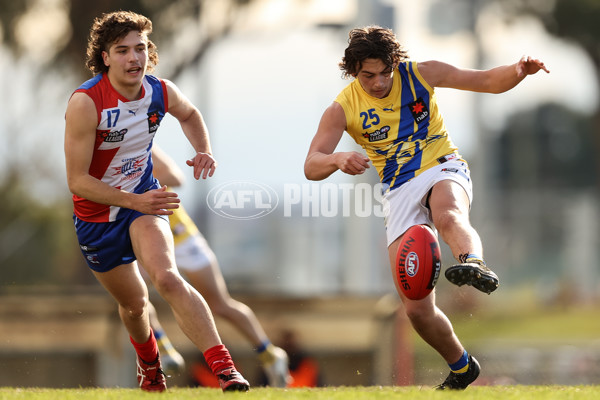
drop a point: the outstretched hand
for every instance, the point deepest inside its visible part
(529, 66)
(204, 165)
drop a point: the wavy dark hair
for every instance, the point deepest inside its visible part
(111, 27)
(371, 42)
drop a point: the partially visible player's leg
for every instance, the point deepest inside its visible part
(209, 281)
(434, 327)
(458, 380)
(153, 245)
(411, 205)
(109, 255)
(427, 319)
(450, 206)
(172, 361)
(126, 285)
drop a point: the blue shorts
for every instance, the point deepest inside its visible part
(106, 245)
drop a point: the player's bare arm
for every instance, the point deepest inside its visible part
(495, 80)
(80, 131)
(194, 128)
(80, 135)
(321, 160)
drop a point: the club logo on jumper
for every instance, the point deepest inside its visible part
(242, 200)
(131, 168)
(114, 136)
(412, 264)
(379, 134)
(419, 110)
(154, 119)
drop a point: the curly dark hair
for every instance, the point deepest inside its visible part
(111, 27)
(371, 42)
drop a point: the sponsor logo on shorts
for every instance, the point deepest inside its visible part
(92, 258)
(453, 170)
(448, 157)
(85, 247)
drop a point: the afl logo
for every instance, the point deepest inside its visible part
(412, 264)
(242, 200)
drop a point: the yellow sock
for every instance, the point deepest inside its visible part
(267, 356)
(165, 345)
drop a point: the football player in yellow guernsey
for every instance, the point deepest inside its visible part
(198, 263)
(390, 110)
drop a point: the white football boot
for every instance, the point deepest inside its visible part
(275, 363)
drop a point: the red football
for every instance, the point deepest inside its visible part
(418, 262)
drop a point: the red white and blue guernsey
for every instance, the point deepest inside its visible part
(124, 138)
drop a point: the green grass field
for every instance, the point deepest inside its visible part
(332, 393)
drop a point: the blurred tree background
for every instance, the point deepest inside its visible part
(569, 139)
(552, 146)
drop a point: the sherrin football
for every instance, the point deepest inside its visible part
(418, 262)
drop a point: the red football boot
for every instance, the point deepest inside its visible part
(150, 377)
(230, 380)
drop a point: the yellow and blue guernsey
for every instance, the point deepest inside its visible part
(403, 134)
(181, 225)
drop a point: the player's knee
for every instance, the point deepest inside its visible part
(417, 312)
(134, 309)
(449, 219)
(167, 282)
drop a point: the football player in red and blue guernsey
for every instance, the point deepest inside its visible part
(120, 211)
(390, 110)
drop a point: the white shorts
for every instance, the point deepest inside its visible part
(405, 206)
(194, 254)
